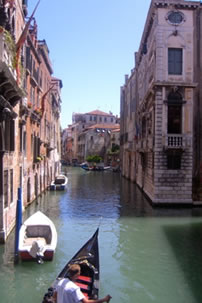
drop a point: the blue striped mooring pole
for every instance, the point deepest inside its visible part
(18, 222)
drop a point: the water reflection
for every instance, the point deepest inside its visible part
(92, 194)
(134, 203)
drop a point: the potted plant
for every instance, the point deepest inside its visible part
(29, 104)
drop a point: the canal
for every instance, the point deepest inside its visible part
(146, 254)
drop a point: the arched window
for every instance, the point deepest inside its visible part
(174, 113)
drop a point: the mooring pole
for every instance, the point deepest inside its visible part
(18, 223)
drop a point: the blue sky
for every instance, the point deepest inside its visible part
(92, 45)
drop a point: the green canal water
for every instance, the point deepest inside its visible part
(146, 255)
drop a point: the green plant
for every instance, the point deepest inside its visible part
(10, 44)
(115, 148)
(38, 111)
(94, 158)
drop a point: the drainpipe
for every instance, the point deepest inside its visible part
(2, 231)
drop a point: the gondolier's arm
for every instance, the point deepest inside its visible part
(105, 299)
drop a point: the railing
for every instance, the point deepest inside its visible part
(175, 141)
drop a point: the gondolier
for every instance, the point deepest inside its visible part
(79, 279)
(68, 291)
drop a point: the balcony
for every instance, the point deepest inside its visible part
(175, 141)
(7, 52)
(8, 76)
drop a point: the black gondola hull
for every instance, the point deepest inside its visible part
(88, 259)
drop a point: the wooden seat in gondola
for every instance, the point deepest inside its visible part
(85, 294)
(83, 286)
(84, 279)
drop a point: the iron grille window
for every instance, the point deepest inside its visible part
(24, 142)
(21, 138)
(175, 61)
(144, 127)
(10, 137)
(11, 185)
(173, 161)
(5, 188)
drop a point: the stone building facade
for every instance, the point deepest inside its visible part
(80, 128)
(11, 24)
(29, 114)
(161, 105)
(96, 140)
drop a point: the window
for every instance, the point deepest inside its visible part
(24, 141)
(95, 118)
(175, 61)
(174, 119)
(144, 127)
(174, 113)
(175, 17)
(5, 188)
(21, 137)
(11, 185)
(90, 118)
(10, 135)
(173, 161)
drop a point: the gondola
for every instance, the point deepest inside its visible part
(88, 259)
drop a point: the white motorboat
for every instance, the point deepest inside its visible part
(37, 238)
(60, 183)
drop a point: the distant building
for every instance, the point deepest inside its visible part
(67, 149)
(85, 127)
(94, 117)
(95, 140)
(113, 154)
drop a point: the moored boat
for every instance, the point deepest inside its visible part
(37, 238)
(88, 259)
(85, 166)
(59, 183)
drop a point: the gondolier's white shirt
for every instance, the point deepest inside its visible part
(68, 292)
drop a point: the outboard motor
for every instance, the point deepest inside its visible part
(37, 251)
